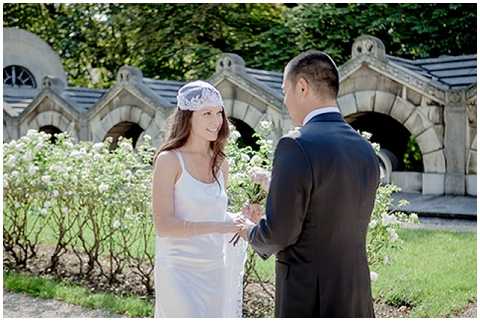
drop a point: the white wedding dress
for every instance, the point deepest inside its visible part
(199, 276)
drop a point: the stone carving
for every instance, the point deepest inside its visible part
(53, 83)
(455, 97)
(471, 96)
(472, 112)
(129, 74)
(232, 62)
(370, 46)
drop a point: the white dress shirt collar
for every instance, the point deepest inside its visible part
(319, 111)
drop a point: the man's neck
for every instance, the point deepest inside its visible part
(320, 104)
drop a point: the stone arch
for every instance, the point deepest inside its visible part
(246, 132)
(156, 130)
(421, 128)
(125, 113)
(52, 130)
(140, 139)
(127, 130)
(51, 118)
(243, 111)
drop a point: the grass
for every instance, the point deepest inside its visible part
(48, 236)
(41, 287)
(434, 273)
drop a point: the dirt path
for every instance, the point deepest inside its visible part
(19, 305)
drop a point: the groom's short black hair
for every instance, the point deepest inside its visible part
(318, 69)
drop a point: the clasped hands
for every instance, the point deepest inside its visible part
(250, 216)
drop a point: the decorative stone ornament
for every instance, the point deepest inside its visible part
(129, 74)
(230, 61)
(53, 83)
(370, 46)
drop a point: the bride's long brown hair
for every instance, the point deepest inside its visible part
(179, 129)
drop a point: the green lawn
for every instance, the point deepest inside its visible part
(42, 287)
(48, 236)
(435, 272)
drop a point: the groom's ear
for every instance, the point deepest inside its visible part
(302, 86)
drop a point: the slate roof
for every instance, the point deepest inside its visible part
(271, 79)
(452, 71)
(17, 103)
(83, 98)
(167, 89)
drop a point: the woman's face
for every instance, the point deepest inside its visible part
(206, 123)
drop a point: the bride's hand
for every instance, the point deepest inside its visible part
(254, 212)
(231, 227)
(243, 233)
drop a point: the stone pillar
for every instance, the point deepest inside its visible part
(84, 133)
(455, 142)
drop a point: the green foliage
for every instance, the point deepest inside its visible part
(407, 30)
(95, 203)
(382, 233)
(434, 273)
(244, 161)
(183, 41)
(81, 198)
(44, 288)
(413, 157)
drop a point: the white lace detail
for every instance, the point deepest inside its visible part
(197, 95)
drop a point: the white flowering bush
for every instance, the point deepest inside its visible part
(26, 202)
(247, 183)
(384, 222)
(245, 164)
(84, 199)
(80, 197)
(384, 225)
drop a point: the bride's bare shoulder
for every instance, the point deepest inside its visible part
(167, 160)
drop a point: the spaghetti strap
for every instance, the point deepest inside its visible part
(221, 175)
(180, 158)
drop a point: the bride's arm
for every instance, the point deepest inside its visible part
(165, 174)
(225, 169)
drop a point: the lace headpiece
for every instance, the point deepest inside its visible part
(197, 95)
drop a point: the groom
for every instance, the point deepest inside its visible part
(321, 196)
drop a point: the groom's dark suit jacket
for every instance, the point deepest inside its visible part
(321, 196)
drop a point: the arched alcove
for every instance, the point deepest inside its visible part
(126, 129)
(393, 137)
(246, 132)
(52, 130)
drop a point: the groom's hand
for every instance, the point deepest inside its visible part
(245, 231)
(254, 212)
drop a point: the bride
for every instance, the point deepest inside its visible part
(197, 272)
